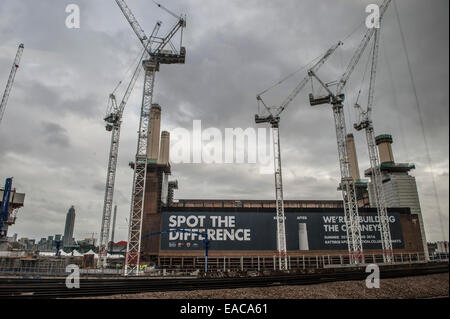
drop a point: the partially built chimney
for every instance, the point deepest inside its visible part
(352, 157)
(153, 136)
(165, 148)
(384, 142)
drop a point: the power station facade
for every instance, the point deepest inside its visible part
(248, 227)
(399, 187)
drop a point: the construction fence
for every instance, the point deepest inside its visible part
(193, 265)
(262, 263)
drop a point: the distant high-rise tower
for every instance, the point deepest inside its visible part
(68, 229)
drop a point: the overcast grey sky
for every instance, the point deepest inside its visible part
(53, 140)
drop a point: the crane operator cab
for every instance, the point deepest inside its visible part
(328, 99)
(168, 57)
(319, 100)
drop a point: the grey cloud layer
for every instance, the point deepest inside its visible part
(54, 143)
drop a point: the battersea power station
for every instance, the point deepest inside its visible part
(243, 233)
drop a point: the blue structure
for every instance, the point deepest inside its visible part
(58, 245)
(4, 210)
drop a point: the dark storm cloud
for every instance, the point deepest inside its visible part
(235, 49)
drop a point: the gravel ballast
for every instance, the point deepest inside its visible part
(429, 286)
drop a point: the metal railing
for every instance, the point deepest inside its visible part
(191, 266)
(269, 263)
(55, 271)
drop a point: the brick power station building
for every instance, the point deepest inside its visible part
(246, 229)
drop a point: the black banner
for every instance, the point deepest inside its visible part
(257, 231)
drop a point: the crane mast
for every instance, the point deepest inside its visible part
(151, 66)
(10, 82)
(281, 221)
(347, 184)
(113, 123)
(140, 173)
(366, 123)
(274, 120)
(281, 224)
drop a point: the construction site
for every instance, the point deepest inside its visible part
(376, 220)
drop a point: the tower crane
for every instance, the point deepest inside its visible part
(274, 119)
(347, 184)
(157, 56)
(365, 122)
(168, 56)
(113, 121)
(10, 82)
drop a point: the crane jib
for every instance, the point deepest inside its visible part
(10, 82)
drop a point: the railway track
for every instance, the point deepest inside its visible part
(56, 288)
